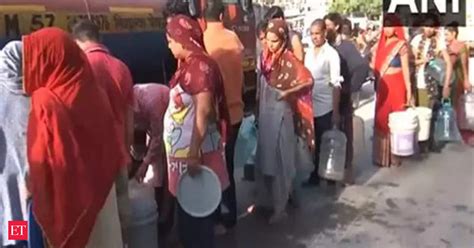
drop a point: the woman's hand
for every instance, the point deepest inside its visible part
(194, 167)
(446, 91)
(336, 118)
(467, 85)
(141, 172)
(410, 99)
(283, 95)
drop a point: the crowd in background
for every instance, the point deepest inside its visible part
(74, 129)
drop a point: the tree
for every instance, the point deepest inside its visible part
(369, 7)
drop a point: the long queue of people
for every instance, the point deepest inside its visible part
(74, 130)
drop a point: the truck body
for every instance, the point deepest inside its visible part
(133, 30)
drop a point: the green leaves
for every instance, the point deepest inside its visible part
(346, 7)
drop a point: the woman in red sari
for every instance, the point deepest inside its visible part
(391, 67)
(72, 151)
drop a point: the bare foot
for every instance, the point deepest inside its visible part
(277, 217)
(220, 230)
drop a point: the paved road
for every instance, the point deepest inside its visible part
(427, 202)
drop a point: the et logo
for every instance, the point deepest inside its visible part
(17, 230)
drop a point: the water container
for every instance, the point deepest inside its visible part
(143, 229)
(446, 128)
(466, 111)
(403, 131)
(332, 158)
(424, 122)
(246, 142)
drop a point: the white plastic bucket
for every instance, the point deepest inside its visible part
(143, 230)
(403, 126)
(424, 123)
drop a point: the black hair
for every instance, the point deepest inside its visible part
(336, 18)
(273, 13)
(177, 7)
(346, 28)
(431, 20)
(86, 30)
(261, 27)
(453, 27)
(214, 10)
(320, 23)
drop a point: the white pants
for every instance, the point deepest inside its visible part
(107, 232)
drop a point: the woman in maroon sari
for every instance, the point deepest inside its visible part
(195, 122)
(391, 67)
(285, 113)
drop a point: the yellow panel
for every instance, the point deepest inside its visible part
(130, 10)
(22, 8)
(19, 23)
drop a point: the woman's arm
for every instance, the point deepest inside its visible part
(300, 86)
(204, 110)
(297, 47)
(465, 70)
(404, 57)
(449, 72)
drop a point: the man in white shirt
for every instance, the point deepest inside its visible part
(324, 63)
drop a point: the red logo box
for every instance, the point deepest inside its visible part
(17, 230)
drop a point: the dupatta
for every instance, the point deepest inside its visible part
(73, 145)
(198, 73)
(284, 71)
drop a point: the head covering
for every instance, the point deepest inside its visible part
(187, 32)
(72, 149)
(284, 71)
(384, 54)
(10, 67)
(198, 72)
(280, 29)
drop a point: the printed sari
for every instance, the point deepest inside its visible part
(286, 126)
(196, 74)
(391, 94)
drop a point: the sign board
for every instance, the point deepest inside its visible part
(15, 24)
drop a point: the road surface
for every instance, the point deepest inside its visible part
(428, 202)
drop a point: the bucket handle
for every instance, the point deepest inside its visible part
(446, 102)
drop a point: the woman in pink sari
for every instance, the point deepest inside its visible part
(459, 54)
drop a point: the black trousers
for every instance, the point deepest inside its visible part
(196, 232)
(229, 198)
(321, 125)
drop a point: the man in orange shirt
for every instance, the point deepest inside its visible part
(117, 81)
(225, 48)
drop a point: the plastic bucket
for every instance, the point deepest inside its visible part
(403, 127)
(143, 229)
(424, 123)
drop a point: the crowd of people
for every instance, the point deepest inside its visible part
(75, 129)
